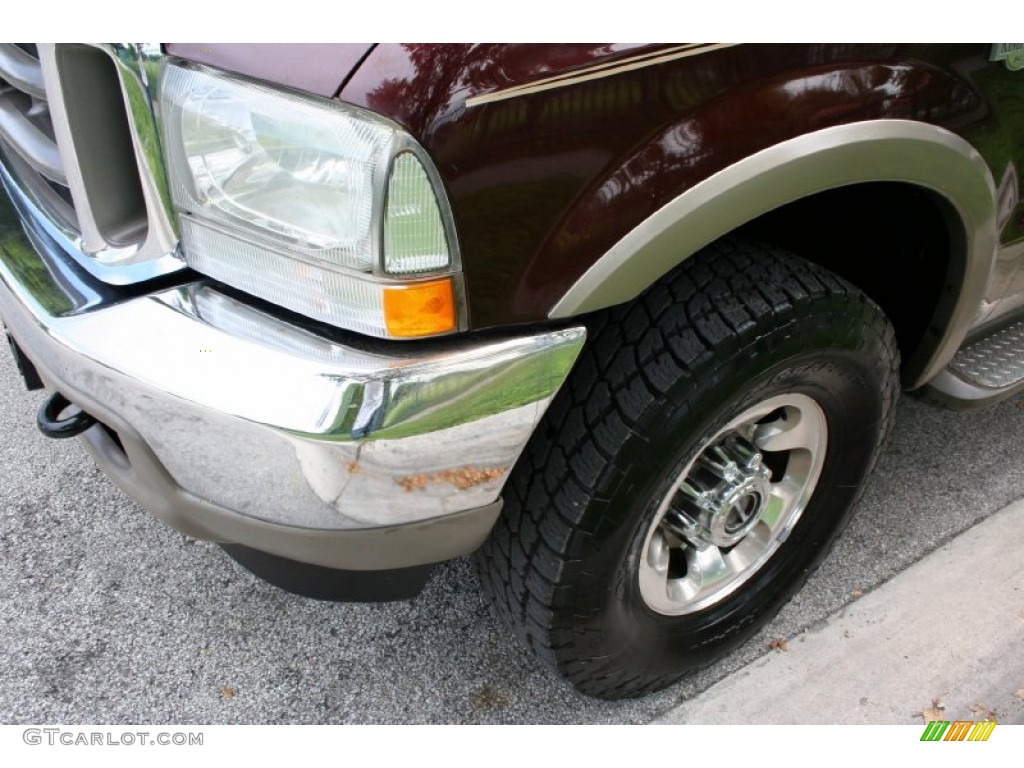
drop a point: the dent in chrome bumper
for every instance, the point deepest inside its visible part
(269, 422)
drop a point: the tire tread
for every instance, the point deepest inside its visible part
(690, 320)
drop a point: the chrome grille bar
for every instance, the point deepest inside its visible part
(21, 70)
(79, 140)
(101, 120)
(25, 138)
(92, 241)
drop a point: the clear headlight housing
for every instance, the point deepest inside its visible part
(317, 206)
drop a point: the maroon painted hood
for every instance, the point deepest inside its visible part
(318, 68)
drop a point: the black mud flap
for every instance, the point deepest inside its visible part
(28, 372)
(323, 583)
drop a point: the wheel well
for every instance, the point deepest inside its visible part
(902, 245)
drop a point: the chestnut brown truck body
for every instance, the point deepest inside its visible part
(716, 263)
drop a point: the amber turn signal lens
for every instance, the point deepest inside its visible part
(420, 309)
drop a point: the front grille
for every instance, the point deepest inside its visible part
(79, 141)
(26, 129)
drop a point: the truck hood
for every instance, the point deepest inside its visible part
(318, 68)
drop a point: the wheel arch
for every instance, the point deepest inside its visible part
(903, 151)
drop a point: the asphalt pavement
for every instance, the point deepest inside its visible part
(107, 616)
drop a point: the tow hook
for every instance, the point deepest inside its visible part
(50, 424)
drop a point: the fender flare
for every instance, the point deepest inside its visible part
(878, 150)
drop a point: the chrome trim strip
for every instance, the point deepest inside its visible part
(32, 146)
(149, 58)
(130, 64)
(598, 71)
(880, 150)
(21, 70)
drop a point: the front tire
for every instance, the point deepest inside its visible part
(694, 470)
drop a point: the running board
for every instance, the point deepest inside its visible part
(984, 370)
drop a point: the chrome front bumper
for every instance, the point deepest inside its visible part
(237, 426)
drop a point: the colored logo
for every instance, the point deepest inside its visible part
(958, 730)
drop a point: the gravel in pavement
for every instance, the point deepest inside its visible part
(108, 616)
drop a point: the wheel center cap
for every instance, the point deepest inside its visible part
(723, 496)
(737, 512)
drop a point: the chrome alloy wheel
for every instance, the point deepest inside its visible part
(733, 506)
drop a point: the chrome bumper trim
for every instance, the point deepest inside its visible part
(269, 421)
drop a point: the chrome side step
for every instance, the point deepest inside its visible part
(984, 370)
(995, 361)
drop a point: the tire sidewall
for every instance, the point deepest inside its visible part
(842, 375)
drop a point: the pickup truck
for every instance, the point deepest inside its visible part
(627, 321)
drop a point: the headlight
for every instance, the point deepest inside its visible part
(320, 207)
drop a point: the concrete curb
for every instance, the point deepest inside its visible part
(942, 640)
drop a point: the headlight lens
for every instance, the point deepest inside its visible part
(255, 158)
(414, 238)
(288, 197)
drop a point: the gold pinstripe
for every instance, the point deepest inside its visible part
(597, 71)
